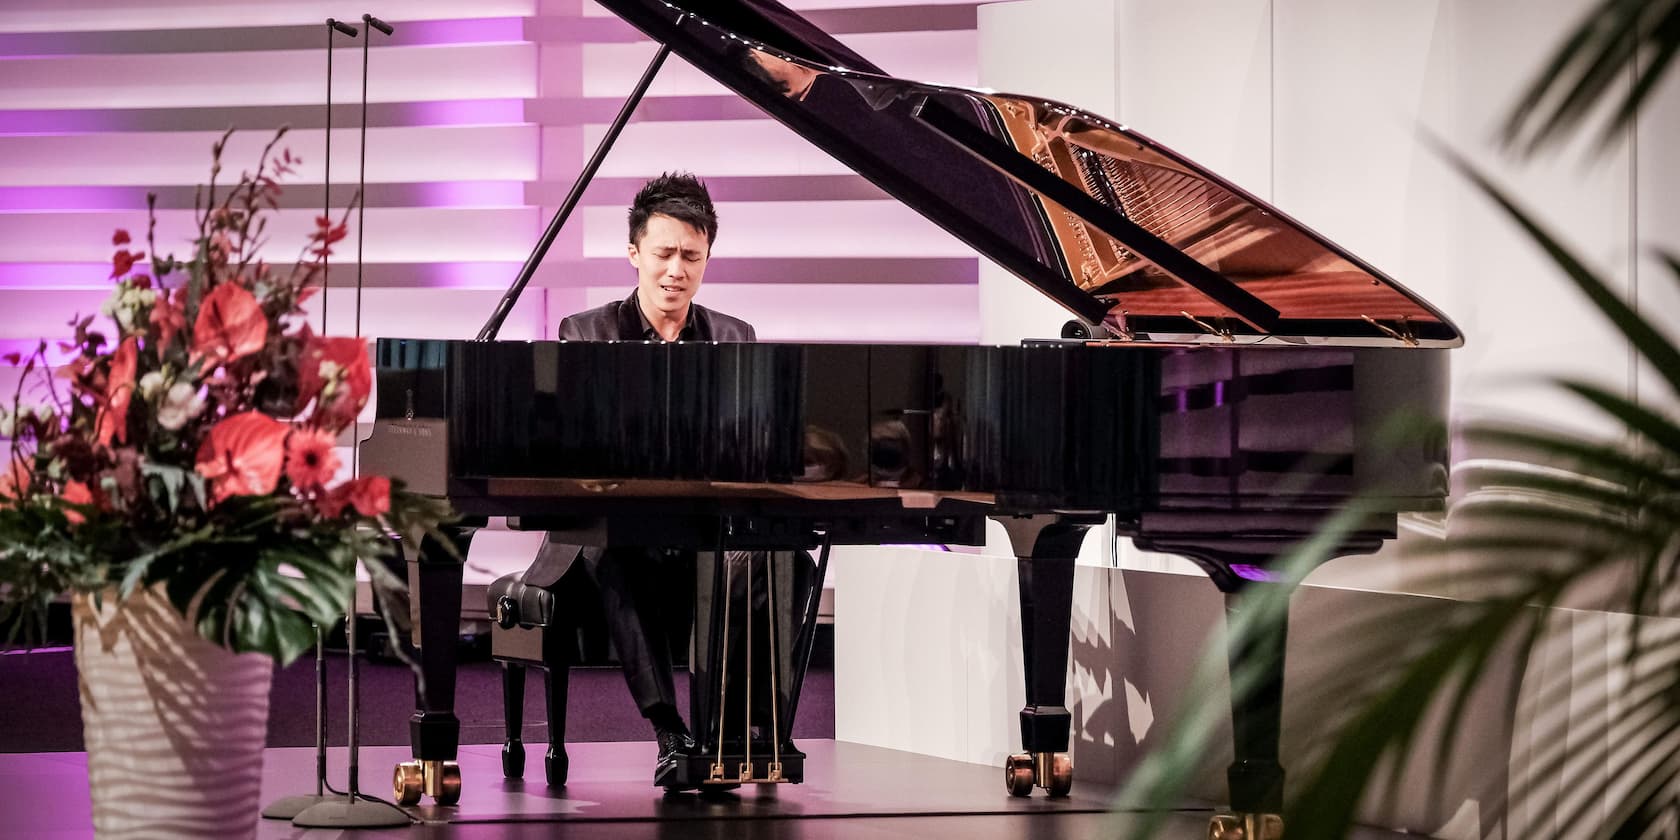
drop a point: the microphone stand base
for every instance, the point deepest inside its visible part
(291, 806)
(343, 812)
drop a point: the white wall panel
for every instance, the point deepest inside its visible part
(946, 57)
(1354, 82)
(116, 15)
(1197, 76)
(712, 149)
(157, 159)
(797, 229)
(1525, 322)
(275, 77)
(393, 235)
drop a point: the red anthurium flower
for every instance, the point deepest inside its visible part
(310, 459)
(242, 455)
(120, 238)
(230, 326)
(76, 493)
(123, 261)
(370, 496)
(167, 318)
(14, 480)
(119, 388)
(335, 373)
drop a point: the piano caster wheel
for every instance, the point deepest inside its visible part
(1055, 773)
(1246, 827)
(441, 780)
(1018, 774)
(407, 782)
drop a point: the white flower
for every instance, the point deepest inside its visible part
(7, 424)
(150, 384)
(44, 413)
(182, 403)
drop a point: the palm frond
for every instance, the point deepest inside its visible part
(1589, 66)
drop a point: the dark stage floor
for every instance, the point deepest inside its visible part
(43, 712)
(851, 791)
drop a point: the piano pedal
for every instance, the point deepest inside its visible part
(774, 773)
(1245, 827)
(441, 780)
(716, 777)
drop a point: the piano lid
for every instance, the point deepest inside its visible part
(1115, 227)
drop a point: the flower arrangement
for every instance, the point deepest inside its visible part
(191, 448)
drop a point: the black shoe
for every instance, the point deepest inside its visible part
(671, 743)
(674, 745)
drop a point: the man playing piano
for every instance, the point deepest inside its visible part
(672, 227)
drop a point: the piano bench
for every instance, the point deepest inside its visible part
(527, 630)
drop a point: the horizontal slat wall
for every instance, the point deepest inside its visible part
(481, 114)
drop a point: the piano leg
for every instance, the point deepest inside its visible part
(1255, 777)
(1045, 548)
(1236, 565)
(434, 581)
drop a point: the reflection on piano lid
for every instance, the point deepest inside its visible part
(1115, 227)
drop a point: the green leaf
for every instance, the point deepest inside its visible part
(1655, 427)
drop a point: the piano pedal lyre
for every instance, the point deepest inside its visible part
(1245, 827)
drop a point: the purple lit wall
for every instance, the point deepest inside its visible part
(481, 114)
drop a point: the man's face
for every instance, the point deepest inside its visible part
(670, 259)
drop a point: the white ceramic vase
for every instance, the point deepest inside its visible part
(174, 725)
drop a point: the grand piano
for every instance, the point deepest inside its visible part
(1220, 390)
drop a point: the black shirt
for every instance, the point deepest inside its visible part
(624, 321)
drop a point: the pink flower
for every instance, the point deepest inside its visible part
(242, 455)
(230, 326)
(119, 389)
(310, 459)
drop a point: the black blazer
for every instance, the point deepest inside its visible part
(622, 320)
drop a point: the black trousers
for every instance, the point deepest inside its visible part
(648, 596)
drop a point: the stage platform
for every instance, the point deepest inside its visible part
(851, 791)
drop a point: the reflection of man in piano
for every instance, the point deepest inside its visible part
(672, 226)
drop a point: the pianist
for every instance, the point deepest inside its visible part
(672, 227)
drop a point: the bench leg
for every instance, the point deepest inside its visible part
(513, 712)
(555, 762)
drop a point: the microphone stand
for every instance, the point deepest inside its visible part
(356, 809)
(290, 806)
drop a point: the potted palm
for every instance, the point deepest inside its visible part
(172, 470)
(1548, 519)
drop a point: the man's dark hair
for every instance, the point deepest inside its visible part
(679, 195)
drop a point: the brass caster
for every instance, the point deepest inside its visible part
(407, 783)
(1018, 774)
(1246, 827)
(1059, 781)
(443, 782)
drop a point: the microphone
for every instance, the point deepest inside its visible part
(376, 23)
(342, 27)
